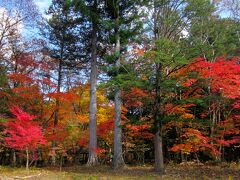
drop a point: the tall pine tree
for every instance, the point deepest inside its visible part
(123, 24)
(63, 45)
(91, 15)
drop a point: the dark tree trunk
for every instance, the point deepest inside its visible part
(56, 114)
(14, 158)
(59, 83)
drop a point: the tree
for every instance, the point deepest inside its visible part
(91, 14)
(23, 134)
(211, 89)
(104, 116)
(167, 56)
(4, 88)
(18, 55)
(64, 47)
(63, 38)
(15, 14)
(9, 30)
(209, 36)
(123, 20)
(92, 160)
(94, 17)
(25, 10)
(165, 53)
(232, 6)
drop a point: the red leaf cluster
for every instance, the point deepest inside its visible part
(23, 132)
(223, 75)
(195, 141)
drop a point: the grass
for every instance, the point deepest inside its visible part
(184, 171)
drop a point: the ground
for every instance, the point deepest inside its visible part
(183, 171)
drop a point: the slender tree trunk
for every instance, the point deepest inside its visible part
(92, 158)
(27, 162)
(56, 114)
(14, 159)
(59, 83)
(61, 163)
(118, 161)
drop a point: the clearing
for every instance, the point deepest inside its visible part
(183, 171)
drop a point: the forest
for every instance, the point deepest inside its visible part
(119, 84)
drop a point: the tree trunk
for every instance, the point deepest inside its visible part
(56, 114)
(14, 159)
(27, 162)
(61, 163)
(158, 148)
(92, 158)
(159, 165)
(118, 161)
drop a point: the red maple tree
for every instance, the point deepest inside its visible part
(23, 133)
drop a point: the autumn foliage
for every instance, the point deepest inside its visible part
(213, 87)
(23, 133)
(203, 118)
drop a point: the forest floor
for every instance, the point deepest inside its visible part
(182, 171)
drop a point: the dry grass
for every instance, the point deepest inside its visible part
(184, 171)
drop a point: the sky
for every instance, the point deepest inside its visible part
(42, 4)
